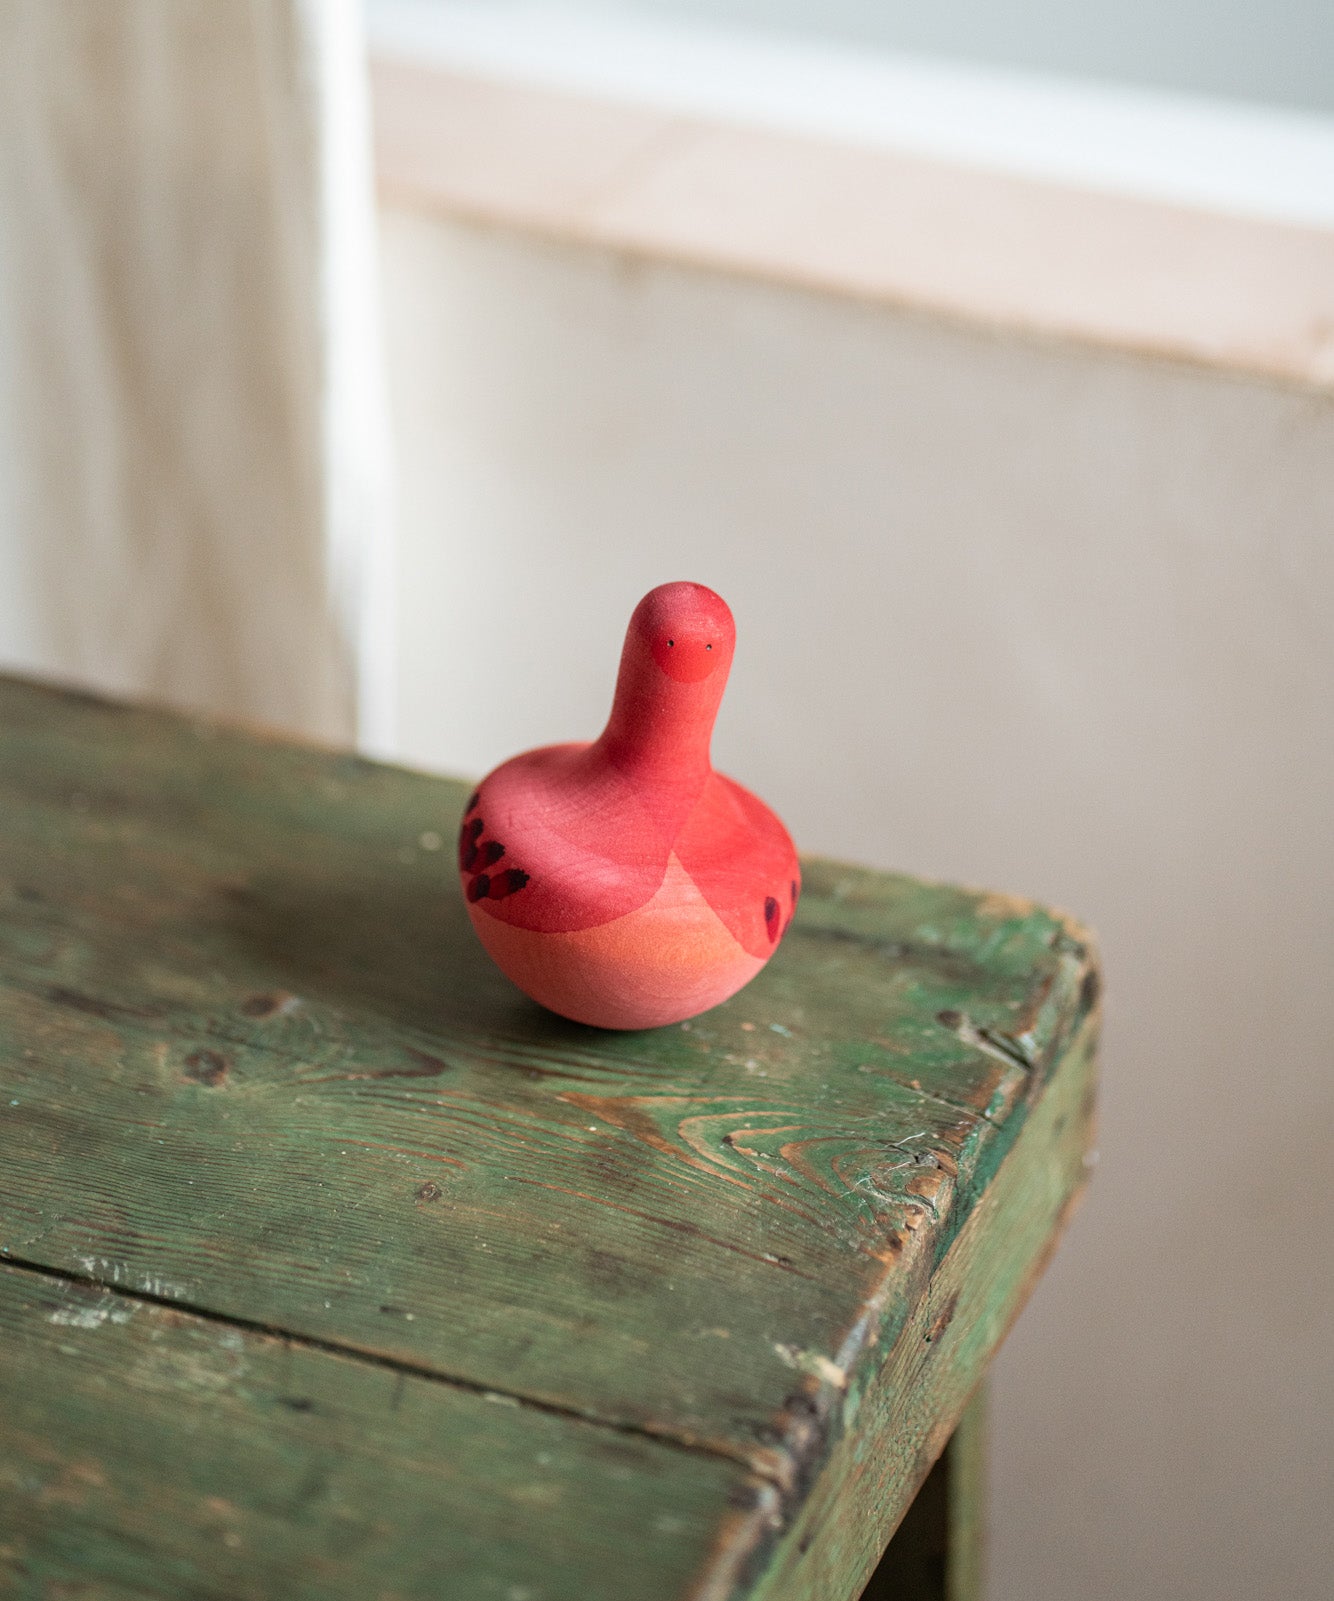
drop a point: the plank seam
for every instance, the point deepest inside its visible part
(397, 1365)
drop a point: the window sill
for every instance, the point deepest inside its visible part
(1023, 254)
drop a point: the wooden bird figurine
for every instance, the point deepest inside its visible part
(624, 883)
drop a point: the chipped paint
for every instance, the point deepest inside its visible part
(111, 1309)
(106, 1270)
(819, 1367)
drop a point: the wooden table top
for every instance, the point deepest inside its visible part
(332, 1266)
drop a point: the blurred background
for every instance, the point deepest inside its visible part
(360, 367)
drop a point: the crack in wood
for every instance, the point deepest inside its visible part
(753, 1462)
(991, 1041)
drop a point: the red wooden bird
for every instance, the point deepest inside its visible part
(625, 883)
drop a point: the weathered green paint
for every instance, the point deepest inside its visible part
(150, 1452)
(897, 1422)
(253, 1063)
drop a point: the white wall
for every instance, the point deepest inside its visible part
(1020, 614)
(1279, 51)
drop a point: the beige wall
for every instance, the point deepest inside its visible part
(1021, 614)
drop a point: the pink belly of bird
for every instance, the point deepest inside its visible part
(665, 961)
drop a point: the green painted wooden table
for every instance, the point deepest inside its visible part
(333, 1267)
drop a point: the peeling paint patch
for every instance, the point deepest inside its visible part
(110, 1309)
(165, 1289)
(819, 1367)
(107, 1271)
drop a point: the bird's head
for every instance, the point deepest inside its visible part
(678, 650)
(686, 630)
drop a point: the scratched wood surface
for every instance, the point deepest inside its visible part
(254, 1065)
(151, 1452)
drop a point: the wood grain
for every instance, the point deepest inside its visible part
(903, 1418)
(152, 1453)
(254, 1064)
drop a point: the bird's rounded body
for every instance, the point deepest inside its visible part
(625, 883)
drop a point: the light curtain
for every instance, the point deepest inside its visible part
(192, 430)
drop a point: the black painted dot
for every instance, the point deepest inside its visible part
(771, 916)
(506, 883)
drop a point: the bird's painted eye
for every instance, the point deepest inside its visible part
(708, 647)
(671, 641)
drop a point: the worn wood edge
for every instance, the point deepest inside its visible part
(1059, 1011)
(203, 720)
(1065, 264)
(800, 1551)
